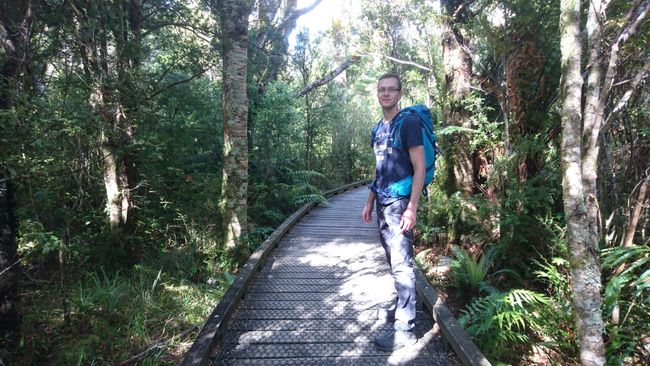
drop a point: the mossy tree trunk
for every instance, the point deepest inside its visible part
(234, 30)
(457, 68)
(583, 246)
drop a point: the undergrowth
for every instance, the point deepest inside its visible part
(112, 316)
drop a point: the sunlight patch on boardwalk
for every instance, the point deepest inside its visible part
(317, 299)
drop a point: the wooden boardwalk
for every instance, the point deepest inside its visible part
(316, 300)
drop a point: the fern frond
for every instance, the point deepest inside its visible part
(306, 198)
(305, 176)
(502, 320)
(614, 257)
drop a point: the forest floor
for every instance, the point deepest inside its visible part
(142, 317)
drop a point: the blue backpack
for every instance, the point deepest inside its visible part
(402, 188)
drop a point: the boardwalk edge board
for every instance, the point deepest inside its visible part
(215, 326)
(453, 333)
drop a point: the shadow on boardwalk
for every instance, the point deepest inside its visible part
(316, 300)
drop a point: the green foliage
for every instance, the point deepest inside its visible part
(503, 323)
(628, 295)
(35, 242)
(530, 216)
(468, 273)
(114, 315)
(488, 131)
(297, 148)
(437, 211)
(559, 320)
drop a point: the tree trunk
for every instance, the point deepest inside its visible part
(112, 109)
(94, 38)
(128, 38)
(234, 29)
(636, 211)
(15, 40)
(593, 119)
(457, 66)
(9, 317)
(583, 250)
(308, 133)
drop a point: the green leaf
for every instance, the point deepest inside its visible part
(229, 278)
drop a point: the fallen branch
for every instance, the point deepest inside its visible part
(329, 77)
(156, 345)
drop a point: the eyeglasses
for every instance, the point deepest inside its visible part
(389, 90)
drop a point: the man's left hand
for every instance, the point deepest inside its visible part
(408, 220)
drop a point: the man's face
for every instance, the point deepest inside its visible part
(388, 93)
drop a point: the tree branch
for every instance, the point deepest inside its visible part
(198, 31)
(298, 13)
(641, 11)
(622, 103)
(407, 63)
(329, 77)
(194, 76)
(461, 7)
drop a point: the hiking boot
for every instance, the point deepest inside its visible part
(387, 315)
(395, 340)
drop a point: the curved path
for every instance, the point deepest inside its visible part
(316, 301)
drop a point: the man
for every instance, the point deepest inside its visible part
(397, 215)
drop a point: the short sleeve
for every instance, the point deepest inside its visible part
(411, 132)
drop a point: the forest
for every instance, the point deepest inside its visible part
(148, 147)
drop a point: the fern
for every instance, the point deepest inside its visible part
(628, 291)
(273, 216)
(558, 323)
(306, 198)
(636, 275)
(450, 130)
(304, 189)
(468, 273)
(503, 320)
(305, 176)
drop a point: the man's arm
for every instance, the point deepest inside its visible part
(419, 170)
(370, 204)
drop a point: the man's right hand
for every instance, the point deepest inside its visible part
(367, 212)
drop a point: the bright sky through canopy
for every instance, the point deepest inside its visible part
(320, 18)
